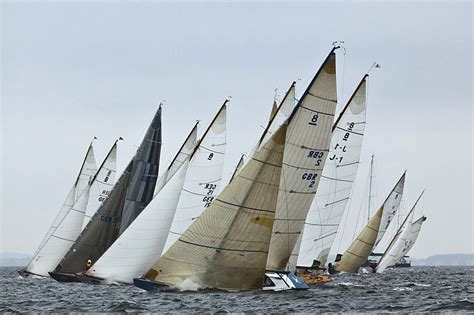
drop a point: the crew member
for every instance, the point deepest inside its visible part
(88, 264)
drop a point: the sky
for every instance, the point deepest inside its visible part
(74, 70)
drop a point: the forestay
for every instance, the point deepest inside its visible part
(336, 182)
(40, 263)
(306, 149)
(360, 249)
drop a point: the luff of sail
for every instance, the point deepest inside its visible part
(181, 156)
(306, 149)
(358, 252)
(88, 169)
(105, 225)
(336, 182)
(226, 247)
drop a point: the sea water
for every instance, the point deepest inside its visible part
(416, 289)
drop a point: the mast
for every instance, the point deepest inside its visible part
(370, 186)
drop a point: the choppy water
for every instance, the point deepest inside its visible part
(420, 289)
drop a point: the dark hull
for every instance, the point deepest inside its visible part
(149, 285)
(26, 274)
(63, 277)
(403, 265)
(89, 279)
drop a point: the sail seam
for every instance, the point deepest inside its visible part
(322, 98)
(242, 206)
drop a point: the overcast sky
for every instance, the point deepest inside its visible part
(77, 70)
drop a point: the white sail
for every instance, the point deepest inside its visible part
(88, 169)
(101, 184)
(279, 116)
(336, 182)
(391, 256)
(202, 180)
(139, 246)
(306, 149)
(360, 249)
(183, 153)
(415, 231)
(390, 208)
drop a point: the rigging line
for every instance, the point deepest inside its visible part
(222, 248)
(316, 111)
(350, 131)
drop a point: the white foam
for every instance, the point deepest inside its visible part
(188, 285)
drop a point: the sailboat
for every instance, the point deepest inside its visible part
(129, 196)
(400, 243)
(358, 252)
(37, 265)
(183, 197)
(227, 246)
(321, 225)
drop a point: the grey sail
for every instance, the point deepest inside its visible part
(144, 173)
(133, 191)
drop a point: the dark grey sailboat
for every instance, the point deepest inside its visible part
(130, 195)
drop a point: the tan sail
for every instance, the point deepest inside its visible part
(226, 247)
(307, 145)
(356, 255)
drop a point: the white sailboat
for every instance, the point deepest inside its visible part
(88, 168)
(399, 244)
(335, 187)
(227, 246)
(358, 252)
(138, 247)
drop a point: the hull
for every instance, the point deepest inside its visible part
(88, 279)
(63, 277)
(151, 286)
(276, 280)
(27, 274)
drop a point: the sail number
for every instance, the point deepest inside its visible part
(317, 155)
(347, 134)
(104, 195)
(314, 120)
(311, 177)
(210, 191)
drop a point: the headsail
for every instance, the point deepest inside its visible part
(40, 263)
(133, 191)
(306, 149)
(358, 252)
(336, 182)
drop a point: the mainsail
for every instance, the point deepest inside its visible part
(358, 252)
(336, 183)
(227, 246)
(306, 149)
(132, 191)
(38, 265)
(397, 248)
(102, 183)
(202, 179)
